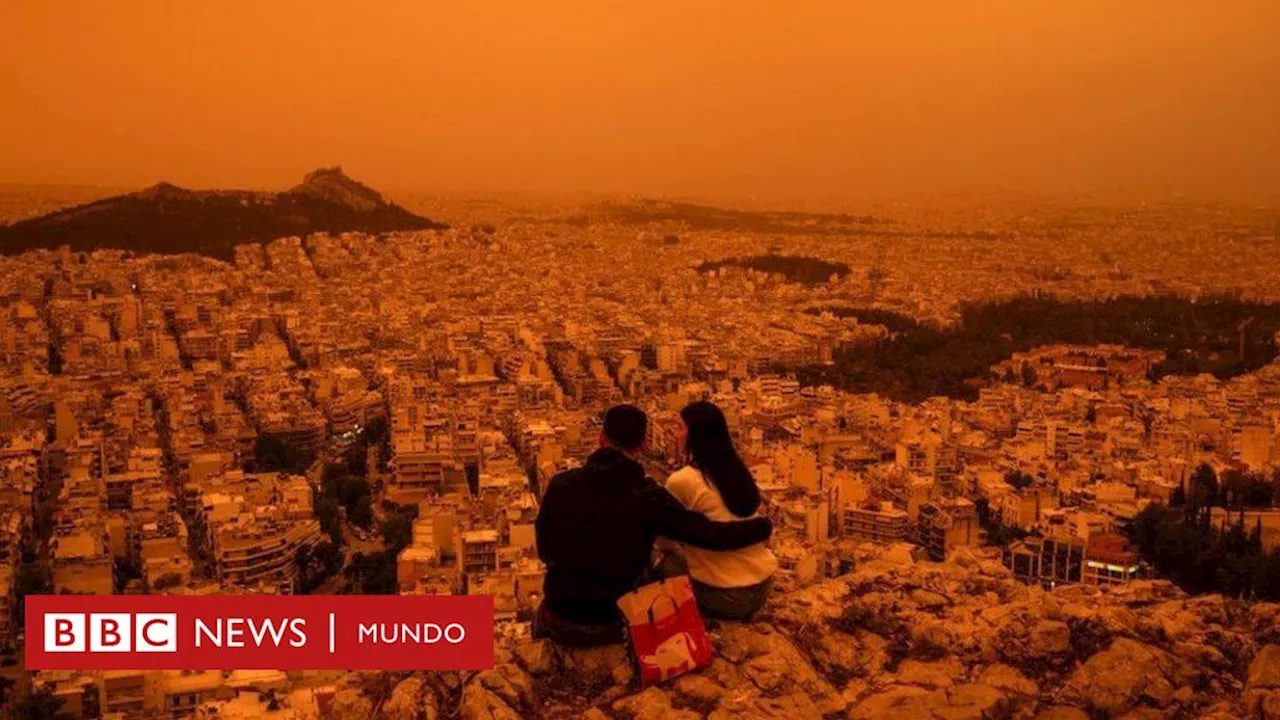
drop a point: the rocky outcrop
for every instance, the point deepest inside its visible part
(1263, 684)
(902, 640)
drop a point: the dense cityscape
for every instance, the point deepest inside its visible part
(353, 413)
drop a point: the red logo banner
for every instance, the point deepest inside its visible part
(259, 632)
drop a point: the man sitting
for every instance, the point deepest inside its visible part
(595, 532)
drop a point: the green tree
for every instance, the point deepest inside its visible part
(326, 511)
(1029, 376)
(168, 580)
(33, 579)
(1204, 491)
(274, 455)
(397, 531)
(361, 513)
(351, 490)
(1018, 479)
(41, 704)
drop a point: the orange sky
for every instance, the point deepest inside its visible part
(836, 98)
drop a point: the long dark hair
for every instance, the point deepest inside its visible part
(710, 450)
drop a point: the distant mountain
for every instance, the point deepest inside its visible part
(168, 219)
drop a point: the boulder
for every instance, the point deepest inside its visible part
(930, 675)
(593, 667)
(1049, 638)
(1264, 672)
(411, 699)
(510, 683)
(478, 703)
(351, 704)
(651, 704)
(698, 689)
(1062, 712)
(1009, 680)
(537, 656)
(1123, 676)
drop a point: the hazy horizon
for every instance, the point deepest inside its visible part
(710, 100)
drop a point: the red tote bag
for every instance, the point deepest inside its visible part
(668, 636)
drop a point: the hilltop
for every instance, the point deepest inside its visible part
(894, 638)
(168, 219)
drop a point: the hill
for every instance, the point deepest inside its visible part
(896, 639)
(168, 219)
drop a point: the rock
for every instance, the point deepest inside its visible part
(652, 704)
(839, 654)
(1145, 714)
(1263, 686)
(875, 651)
(411, 699)
(593, 667)
(1122, 676)
(933, 637)
(1269, 708)
(698, 689)
(623, 674)
(351, 704)
(971, 702)
(898, 555)
(754, 707)
(1063, 712)
(930, 675)
(1049, 637)
(927, 600)
(537, 656)
(776, 667)
(991, 568)
(1264, 672)
(723, 672)
(1220, 711)
(901, 702)
(961, 644)
(962, 702)
(510, 683)
(478, 703)
(1008, 679)
(1145, 592)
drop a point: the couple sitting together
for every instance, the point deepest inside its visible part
(598, 525)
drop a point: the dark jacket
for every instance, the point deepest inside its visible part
(595, 532)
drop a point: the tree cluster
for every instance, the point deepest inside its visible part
(340, 489)
(1184, 543)
(921, 361)
(272, 454)
(317, 564)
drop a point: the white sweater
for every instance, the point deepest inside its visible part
(726, 569)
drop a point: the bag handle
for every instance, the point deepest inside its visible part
(675, 607)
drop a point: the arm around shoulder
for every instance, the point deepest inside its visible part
(672, 520)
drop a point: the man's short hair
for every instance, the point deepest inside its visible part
(625, 426)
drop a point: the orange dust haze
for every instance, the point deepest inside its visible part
(836, 98)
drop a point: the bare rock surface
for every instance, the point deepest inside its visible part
(900, 639)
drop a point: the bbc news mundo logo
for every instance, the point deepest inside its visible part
(259, 632)
(110, 632)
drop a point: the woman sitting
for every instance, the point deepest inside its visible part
(729, 585)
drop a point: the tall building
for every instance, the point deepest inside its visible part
(1047, 561)
(947, 524)
(880, 524)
